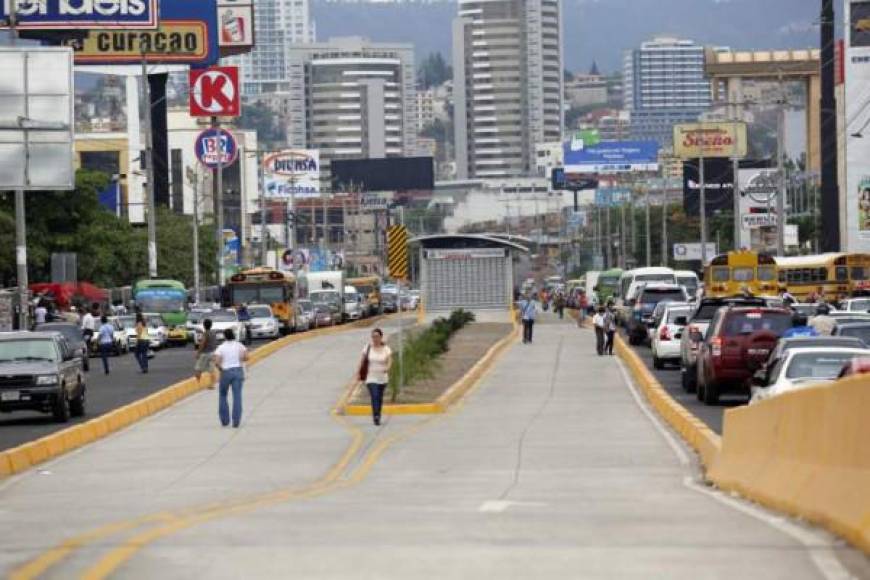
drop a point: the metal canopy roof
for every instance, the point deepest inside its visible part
(468, 241)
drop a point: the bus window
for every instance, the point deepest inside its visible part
(743, 274)
(842, 274)
(721, 275)
(766, 273)
(859, 273)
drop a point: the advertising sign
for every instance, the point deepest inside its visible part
(758, 189)
(187, 34)
(36, 118)
(560, 180)
(611, 196)
(80, 14)
(216, 147)
(215, 92)
(718, 186)
(235, 25)
(467, 254)
(292, 173)
(371, 202)
(710, 140)
(612, 157)
(856, 237)
(692, 252)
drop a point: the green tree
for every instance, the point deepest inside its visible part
(433, 71)
(260, 118)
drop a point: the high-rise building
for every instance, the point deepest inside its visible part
(352, 98)
(279, 24)
(507, 84)
(664, 84)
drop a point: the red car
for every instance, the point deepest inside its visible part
(738, 342)
(857, 366)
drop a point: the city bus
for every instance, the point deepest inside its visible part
(168, 298)
(266, 286)
(736, 273)
(370, 288)
(607, 285)
(833, 275)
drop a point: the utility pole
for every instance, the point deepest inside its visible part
(149, 170)
(703, 209)
(735, 170)
(622, 244)
(665, 225)
(264, 229)
(196, 238)
(20, 213)
(219, 200)
(830, 197)
(608, 248)
(780, 197)
(647, 231)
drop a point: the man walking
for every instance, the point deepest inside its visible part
(609, 329)
(106, 341)
(89, 327)
(205, 353)
(529, 311)
(598, 323)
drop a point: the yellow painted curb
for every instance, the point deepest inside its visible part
(415, 409)
(32, 453)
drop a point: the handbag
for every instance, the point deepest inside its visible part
(363, 371)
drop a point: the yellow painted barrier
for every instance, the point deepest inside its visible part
(806, 453)
(25, 456)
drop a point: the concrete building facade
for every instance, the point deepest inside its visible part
(507, 84)
(664, 84)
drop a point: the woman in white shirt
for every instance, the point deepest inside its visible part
(230, 358)
(377, 358)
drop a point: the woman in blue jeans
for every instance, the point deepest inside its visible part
(377, 358)
(230, 358)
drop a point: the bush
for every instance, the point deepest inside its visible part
(421, 351)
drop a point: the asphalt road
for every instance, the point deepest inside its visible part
(123, 385)
(669, 377)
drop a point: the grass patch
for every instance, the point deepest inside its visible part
(422, 350)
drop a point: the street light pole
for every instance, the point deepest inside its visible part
(20, 214)
(780, 198)
(196, 281)
(219, 200)
(703, 210)
(648, 232)
(665, 225)
(264, 230)
(149, 171)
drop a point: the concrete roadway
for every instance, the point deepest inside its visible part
(550, 469)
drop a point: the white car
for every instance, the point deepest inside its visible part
(263, 322)
(222, 320)
(121, 344)
(304, 315)
(353, 304)
(414, 299)
(856, 305)
(158, 330)
(805, 367)
(666, 333)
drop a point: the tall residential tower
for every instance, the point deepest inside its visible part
(507, 84)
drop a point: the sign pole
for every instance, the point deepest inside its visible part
(264, 235)
(219, 200)
(665, 226)
(20, 220)
(196, 237)
(703, 210)
(149, 171)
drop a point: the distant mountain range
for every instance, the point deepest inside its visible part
(595, 30)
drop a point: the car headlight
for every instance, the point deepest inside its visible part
(46, 380)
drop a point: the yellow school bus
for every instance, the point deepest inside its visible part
(266, 286)
(829, 276)
(370, 287)
(737, 273)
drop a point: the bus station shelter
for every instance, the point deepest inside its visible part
(470, 271)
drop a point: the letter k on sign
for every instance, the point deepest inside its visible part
(215, 92)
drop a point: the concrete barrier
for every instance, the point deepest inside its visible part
(806, 453)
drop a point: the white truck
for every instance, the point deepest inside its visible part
(327, 288)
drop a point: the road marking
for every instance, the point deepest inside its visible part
(818, 544)
(498, 505)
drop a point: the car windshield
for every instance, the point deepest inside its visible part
(162, 300)
(650, 296)
(224, 316)
(861, 331)
(154, 321)
(666, 278)
(260, 311)
(70, 331)
(351, 298)
(28, 350)
(326, 297)
(675, 313)
(741, 323)
(862, 305)
(689, 282)
(127, 321)
(817, 365)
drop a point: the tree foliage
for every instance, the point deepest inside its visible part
(260, 118)
(433, 71)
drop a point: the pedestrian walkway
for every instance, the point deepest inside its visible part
(550, 469)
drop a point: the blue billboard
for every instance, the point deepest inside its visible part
(612, 157)
(612, 196)
(81, 14)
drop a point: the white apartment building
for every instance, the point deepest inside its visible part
(352, 98)
(507, 84)
(278, 25)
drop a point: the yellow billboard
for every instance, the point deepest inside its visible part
(183, 41)
(693, 140)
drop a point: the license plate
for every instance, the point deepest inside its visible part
(758, 351)
(10, 396)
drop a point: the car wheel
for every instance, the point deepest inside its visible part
(86, 364)
(658, 363)
(60, 408)
(711, 394)
(77, 405)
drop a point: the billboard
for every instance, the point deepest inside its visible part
(718, 186)
(559, 180)
(187, 34)
(387, 174)
(80, 14)
(292, 173)
(856, 237)
(235, 26)
(612, 196)
(611, 157)
(693, 140)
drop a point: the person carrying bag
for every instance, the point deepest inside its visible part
(374, 371)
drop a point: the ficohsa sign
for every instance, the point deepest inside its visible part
(82, 13)
(292, 173)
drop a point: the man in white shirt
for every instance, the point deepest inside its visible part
(599, 322)
(528, 312)
(230, 358)
(89, 326)
(39, 314)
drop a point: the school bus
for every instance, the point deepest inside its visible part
(266, 286)
(736, 273)
(370, 287)
(832, 275)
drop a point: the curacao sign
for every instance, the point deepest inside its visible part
(80, 14)
(694, 140)
(292, 173)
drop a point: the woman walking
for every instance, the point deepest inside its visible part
(106, 338)
(374, 371)
(230, 358)
(142, 341)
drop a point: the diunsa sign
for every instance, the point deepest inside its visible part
(81, 14)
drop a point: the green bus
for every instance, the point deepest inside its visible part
(167, 298)
(608, 282)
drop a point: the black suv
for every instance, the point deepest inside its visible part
(40, 371)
